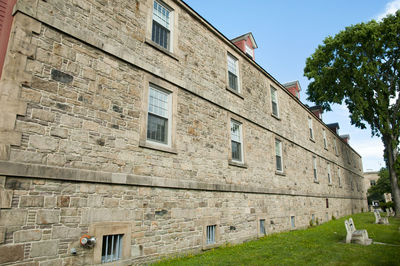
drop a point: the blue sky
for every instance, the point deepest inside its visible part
(289, 31)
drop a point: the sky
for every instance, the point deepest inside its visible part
(289, 31)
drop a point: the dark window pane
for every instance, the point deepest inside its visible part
(236, 151)
(278, 163)
(274, 108)
(315, 174)
(157, 129)
(233, 81)
(160, 35)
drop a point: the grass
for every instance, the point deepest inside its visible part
(320, 245)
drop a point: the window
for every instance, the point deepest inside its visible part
(325, 142)
(292, 221)
(278, 155)
(159, 116)
(211, 234)
(274, 101)
(161, 29)
(233, 73)
(327, 203)
(329, 174)
(339, 178)
(313, 218)
(372, 182)
(236, 140)
(310, 128)
(111, 248)
(248, 50)
(315, 168)
(336, 149)
(262, 227)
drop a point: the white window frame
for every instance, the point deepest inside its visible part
(240, 140)
(310, 128)
(236, 66)
(169, 116)
(325, 140)
(277, 141)
(169, 25)
(315, 169)
(116, 248)
(329, 174)
(274, 92)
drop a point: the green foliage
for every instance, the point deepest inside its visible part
(382, 186)
(360, 65)
(333, 217)
(321, 245)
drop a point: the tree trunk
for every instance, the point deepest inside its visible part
(390, 162)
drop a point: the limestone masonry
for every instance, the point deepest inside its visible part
(134, 130)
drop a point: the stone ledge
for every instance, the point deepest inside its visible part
(68, 174)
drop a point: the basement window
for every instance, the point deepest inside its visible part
(211, 234)
(112, 248)
(292, 221)
(262, 227)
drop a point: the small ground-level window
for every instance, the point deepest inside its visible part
(327, 203)
(112, 248)
(262, 227)
(313, 218)
(327, 216)
(292, 221)
(211, 234)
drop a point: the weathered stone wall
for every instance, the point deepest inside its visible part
(71, 155)
(47, 217)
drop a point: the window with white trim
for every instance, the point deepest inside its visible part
(111, 248)
(262, 227)
(315, 168)
(329, 174)
(233, 73)
(236, 141)
(278, 155)
(310, 127)
(339, 177)
(161, 28)
(159, 116)
(274, 102)
(210, 238)
(325, 141)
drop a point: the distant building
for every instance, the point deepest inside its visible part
(133, 130)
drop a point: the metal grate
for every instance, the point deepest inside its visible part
(112, 248)
(211, 234)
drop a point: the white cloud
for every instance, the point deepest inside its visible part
(390, 8)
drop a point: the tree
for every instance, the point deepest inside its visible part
(360, 66)
(382, 186)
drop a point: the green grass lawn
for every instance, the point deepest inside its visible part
(320, 245)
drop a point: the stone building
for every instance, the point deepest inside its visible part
(139, 125)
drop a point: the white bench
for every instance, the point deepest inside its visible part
(379, 219)
(389, 211)
(356, 236)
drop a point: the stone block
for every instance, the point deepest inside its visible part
(7, 120)
(59, 132)
(26, 156)
(50, 202)
(44, 248)
(43, 143)
(27, 236)
(10, 137)
(31, 201)
(11, 253)
(105, 215)
(43, 115)
(5, 198)
(57, 262)
(63, 201)
(48, 217)
(62, 232)
(4, 152)
(70, 121)
(60, 76)
(12, 217)
(56, 159)
(18, 183)
(2, 234)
